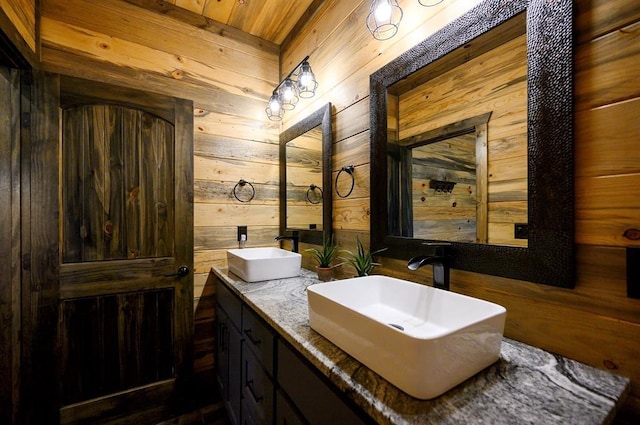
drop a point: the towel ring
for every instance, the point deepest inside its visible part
(349, 170)
(243, 183)
(312, 188)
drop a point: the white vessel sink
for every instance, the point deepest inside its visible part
(255, 264)
(423, 340)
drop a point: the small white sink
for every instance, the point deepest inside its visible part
(423, 340)
(255, 264)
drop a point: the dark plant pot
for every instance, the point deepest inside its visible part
(325, 274)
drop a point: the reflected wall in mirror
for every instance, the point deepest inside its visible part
(305, 176)
(439, 190)
(304, 180)
(473, 66)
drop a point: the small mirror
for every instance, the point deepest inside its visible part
(305, 177)
(540, 248)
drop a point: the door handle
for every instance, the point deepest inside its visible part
(182, 272)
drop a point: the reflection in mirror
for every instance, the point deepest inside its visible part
(305, 177)
(439, 188)
(497, 81)
(455, 74)
(304, 180)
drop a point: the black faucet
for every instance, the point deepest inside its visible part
(440, 261)
(294, 237)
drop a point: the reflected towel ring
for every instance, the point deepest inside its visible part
(313, 187)
(349, 169)
(242, 183)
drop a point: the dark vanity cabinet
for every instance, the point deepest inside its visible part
(262, 379)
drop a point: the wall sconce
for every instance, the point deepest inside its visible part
(384, 17)
(294, 86)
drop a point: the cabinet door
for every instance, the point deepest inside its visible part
(222, 354)
(313, 397)
(257, 391)
(235, 378)
(285, 413)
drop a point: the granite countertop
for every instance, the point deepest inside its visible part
(526, 385)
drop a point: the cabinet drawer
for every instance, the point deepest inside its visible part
(313, 397)
(285, 413)
(259, 338)
(229, 302)
(257, 389)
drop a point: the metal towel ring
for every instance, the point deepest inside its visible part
(242, 183)
(349, 169)
(313, 187)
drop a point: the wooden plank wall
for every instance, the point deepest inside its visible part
(594, 323)
(228, 74)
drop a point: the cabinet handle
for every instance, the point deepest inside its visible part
(258, 399)
(249, 384)
(222, 336)
(249, 334)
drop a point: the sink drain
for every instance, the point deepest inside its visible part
(396, 326)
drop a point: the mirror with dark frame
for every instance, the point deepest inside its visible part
(305, 177)
(546, 254)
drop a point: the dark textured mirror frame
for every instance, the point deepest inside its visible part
(550, 255)
(320, 117)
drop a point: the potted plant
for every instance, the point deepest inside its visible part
(325, 256)
(362, 260)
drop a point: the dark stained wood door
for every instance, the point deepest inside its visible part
(125, 320)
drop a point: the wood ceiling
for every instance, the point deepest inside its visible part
(270, 20)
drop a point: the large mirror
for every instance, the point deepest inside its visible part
(305, 177)
(425, 109)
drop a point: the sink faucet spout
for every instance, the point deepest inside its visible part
(295, 238)
(440, 268)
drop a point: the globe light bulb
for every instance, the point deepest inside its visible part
(383, 11)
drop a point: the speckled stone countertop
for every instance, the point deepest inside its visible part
(526, 386)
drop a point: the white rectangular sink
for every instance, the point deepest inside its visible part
(256, 264)
(423, 340)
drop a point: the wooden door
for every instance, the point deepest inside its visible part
(125, 317)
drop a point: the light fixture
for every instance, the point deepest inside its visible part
(294, 86)
(307, 83)
(288, 95)
(384, 18)
(274, 108)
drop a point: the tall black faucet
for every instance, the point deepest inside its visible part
(294, 237)
(440, 261)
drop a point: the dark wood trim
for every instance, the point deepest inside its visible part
(14, 51)
(40, 284)
(10, 247)
(633, 272)
(184, 242)
(320, 117)
(78, 92)
(549, 257)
